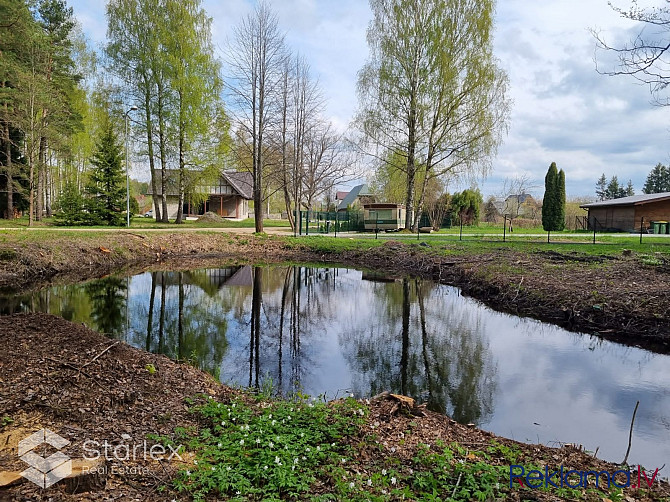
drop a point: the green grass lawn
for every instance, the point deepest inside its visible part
(139, 222)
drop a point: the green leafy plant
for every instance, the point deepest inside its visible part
(269, 450)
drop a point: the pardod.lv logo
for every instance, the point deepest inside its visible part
(44, 472)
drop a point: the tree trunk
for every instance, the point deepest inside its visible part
(182, 167)
(41, 172)
(150, 152)
(411, 168)
(162, 152)
(47, 189)
(9, 168)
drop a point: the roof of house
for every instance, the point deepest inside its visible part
(357, 191)
(633, 200)
(241, 181)
(341, 195)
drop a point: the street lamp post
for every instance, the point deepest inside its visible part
(132, 109)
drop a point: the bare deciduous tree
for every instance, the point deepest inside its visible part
(256, 60)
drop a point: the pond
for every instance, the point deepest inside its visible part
(331, 331)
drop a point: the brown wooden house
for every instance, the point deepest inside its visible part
(626, 214)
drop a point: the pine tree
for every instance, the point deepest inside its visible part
(658, 180)
(630, 190)
(106, 187)
(70, 206)
(549, 206)
(614, 190)
(601, 187)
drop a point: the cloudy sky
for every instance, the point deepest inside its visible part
(563, 110)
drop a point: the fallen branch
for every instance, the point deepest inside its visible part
(99, 355)
(630, 434)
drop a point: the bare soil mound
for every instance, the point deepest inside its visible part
(210, 217)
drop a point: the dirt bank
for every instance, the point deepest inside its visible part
(620, 297)
(86, 387)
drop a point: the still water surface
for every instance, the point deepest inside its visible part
(333, 331)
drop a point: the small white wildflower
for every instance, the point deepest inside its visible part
(302, 434)
(343, 460)
(237, 492)
(393, 480)
(295, 460)
(265, 468)
(270, 416)
(195, 462)
(258, 440)
(369, 482)
(241, 441)
(304, 457)
(228, 468)
(384, 492)
(392, 449)
(311, 405)
(274, 422)
(277, 461)
(332, 444)
(293, 467)
(271, 444)
(188, 473)
(213, 468)
(351, 395)
(351, 485)
(241, 427)
(318, 448)
(383, 472)
(218, 405)
(283, 421)
(308, 450)
(223, 423)
(234, 419)
(234, 404)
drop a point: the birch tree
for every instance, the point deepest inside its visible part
(432, 92)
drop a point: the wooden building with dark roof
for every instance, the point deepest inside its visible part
(628, 213)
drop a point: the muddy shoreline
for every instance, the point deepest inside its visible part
(614, 297)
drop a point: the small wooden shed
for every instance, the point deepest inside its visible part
(384, 216)
(626, 214)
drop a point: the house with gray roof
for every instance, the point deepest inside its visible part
(228, 196)
(355, 198)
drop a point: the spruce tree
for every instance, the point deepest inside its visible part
(106, 186)
(601, 187)
(549, 207)
(658, 180)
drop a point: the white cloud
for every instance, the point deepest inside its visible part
(564, 111)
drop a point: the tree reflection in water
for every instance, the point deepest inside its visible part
(304, 329)
(426, 345)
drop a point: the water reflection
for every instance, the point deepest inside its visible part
(422, 343)
(331, 331)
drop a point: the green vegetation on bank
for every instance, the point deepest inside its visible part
(258, 448)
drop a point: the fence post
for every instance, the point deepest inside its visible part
(594, 229)
(641, 227)
(504, 227)
(336, 215)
